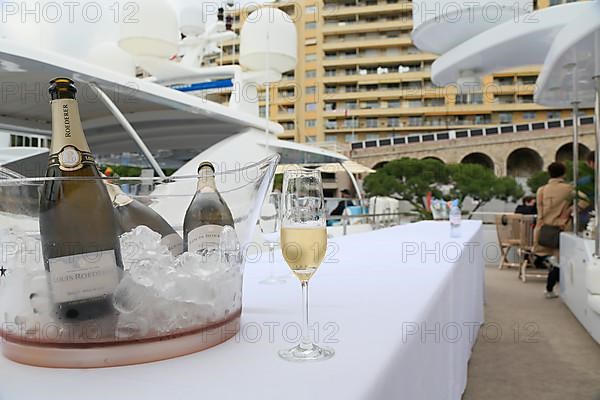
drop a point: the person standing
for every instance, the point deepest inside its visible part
(585, 184)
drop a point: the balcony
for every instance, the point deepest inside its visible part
(376, 60)
(339, 28)
(335, 9)
(403, 40)
(415, 74)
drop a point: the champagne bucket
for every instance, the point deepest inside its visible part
(162, 304)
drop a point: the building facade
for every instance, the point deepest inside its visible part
(359, 77)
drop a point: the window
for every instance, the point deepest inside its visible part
(350, 105)
(553, 114)
(482, 119)
(415, 121)
(310, 123)
(330, 124)
(311, 73)
(330, 106)
(310, 25)
(474, 98)
(28, 141)
(310, 139)
(311, 57)
(331, 138)
(393, 103)
(393, 122)
(372, 136)
(349, 138)
(529, 115)
(311, 106)
(350, 123)
(311, 90)
(371, 104)
(261, 111)
(434, 102)
(311, 9)
(371, 123)
(505, 118)
(330, 72)
(527, 98)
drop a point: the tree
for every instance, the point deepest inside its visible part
(537, 180)
(482, 185)
(411, 179)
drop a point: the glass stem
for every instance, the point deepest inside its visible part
(306, 340)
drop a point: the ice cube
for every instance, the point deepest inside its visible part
(230, 246)
(129, 295)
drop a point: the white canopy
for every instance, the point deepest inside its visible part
(523, 42)
(572, 62)
(163, 117)
(440, 25)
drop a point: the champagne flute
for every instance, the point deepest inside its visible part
(303, 244)
(269, 226)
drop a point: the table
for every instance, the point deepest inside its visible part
(576, 256)
(378, 296)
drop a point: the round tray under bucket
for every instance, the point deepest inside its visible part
(148, 299)
(119, 353)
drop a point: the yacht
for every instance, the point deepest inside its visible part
(143, 89)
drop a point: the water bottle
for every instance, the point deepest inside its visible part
(455, 219)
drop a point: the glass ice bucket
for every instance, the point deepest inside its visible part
(162, 305)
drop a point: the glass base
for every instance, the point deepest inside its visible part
(310, 352)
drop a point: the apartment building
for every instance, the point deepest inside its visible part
(359, 77)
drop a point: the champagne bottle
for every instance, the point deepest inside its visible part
(130, 214)
(207, 214)
(80, 241)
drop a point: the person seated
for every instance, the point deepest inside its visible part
(345, 202)
(528, 207)
(554, 203)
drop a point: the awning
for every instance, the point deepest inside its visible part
(352, 166)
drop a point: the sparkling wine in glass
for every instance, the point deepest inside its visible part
(303, 245)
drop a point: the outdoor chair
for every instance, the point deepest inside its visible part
(508, 229)
(527, 250)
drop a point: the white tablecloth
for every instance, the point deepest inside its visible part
(373, 299)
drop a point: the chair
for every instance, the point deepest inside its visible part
(526, 249)
(508, 229)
